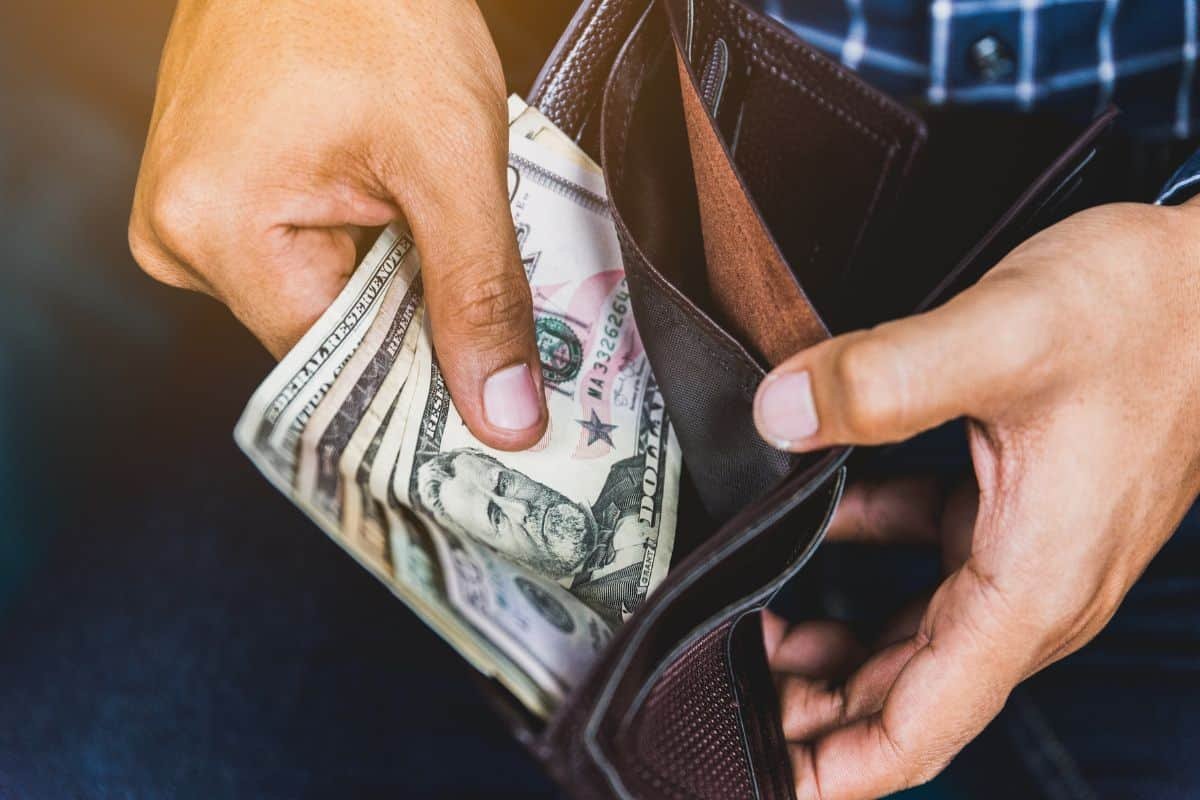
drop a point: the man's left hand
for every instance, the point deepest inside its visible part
(1076, 362)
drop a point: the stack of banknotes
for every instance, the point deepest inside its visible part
(525, 562)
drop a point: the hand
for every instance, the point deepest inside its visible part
(1076, 362)
(281, 130)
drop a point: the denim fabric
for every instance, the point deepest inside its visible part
(1122, 716)
(169, 626)
(1118, 719)
(198, 639)
(173, 629)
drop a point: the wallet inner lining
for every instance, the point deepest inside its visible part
(657, 195)
(824, 156)
(753, 290)
(958, 193)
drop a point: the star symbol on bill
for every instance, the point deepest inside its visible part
(597, 429)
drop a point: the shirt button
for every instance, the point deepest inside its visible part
(991, 58)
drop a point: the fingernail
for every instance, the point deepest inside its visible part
(510, 399)
(787, 413)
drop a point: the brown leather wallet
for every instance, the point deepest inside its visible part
(763, 196)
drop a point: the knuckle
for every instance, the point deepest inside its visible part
(467, 153)
(903, 764)
(914, 766)
(1069, 623)
(473, 137)
(480, 87)
(1031, 336)
(471, 123)
(494, 303)
(923, 771)
(487, 93)
(143, 247)
(864, 370)
(152, 259)
(176, 210)
(1027, 323)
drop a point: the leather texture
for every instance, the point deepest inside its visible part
(754, 186)
(707, 376)
(570, 86)
(770, 312)
(693, 660)
(825, 157)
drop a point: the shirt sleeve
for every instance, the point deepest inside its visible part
(1183, 185)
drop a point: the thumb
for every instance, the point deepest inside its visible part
(479, 302)
(891, 382)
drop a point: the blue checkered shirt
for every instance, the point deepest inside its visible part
(1071, 56)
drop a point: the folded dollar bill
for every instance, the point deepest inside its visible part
(525, 562)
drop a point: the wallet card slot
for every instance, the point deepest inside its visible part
(752, 290)
(590, 733)
(979, 169)
(736, 573)
(707, 376)
(740, 582)
(824, 157)
(714, 77)
(1037, 207)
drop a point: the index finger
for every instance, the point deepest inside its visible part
(956, 681)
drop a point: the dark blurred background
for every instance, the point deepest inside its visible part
(169, 625)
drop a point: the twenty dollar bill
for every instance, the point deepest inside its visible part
(525, 562)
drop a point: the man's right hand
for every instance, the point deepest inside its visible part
(281, 130)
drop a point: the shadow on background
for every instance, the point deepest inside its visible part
(169, 625)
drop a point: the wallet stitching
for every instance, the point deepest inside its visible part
(634, 92)
(791, 80)
(710, 38)
(549, 87)
(888, 147)
(742, 366)
(755, 28)
(786, 75)
(856, 90)
(776, 305)
(741, 229)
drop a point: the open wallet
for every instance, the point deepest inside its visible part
(764, 197)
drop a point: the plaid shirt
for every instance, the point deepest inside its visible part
(1072, 56)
